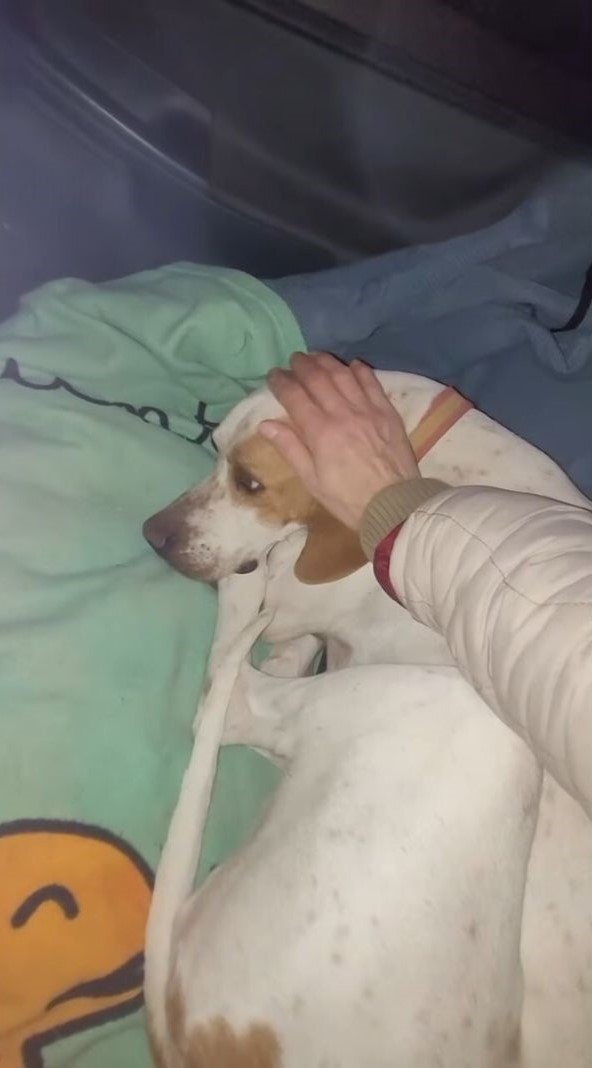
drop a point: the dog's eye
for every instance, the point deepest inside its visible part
(245, 482)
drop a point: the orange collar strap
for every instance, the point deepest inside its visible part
(445, 410)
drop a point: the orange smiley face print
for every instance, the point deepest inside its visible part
(74, 903)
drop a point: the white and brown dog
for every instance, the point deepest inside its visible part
(253, 513)
(375, 916)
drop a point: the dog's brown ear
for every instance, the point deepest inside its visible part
(331, 551)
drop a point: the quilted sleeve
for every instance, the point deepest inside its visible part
(507, 579)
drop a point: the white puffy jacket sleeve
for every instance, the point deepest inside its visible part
(506, 578)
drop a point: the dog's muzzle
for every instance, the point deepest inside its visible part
(165, 534)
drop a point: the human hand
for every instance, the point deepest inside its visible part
(346, 441)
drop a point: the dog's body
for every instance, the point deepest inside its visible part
(374, 918)
(227, 525)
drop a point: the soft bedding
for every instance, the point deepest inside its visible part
(107, 398)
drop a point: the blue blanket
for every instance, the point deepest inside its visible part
(484, 312)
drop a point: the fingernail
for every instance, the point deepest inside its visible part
(268, 430)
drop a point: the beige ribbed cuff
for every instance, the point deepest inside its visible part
(392, 506)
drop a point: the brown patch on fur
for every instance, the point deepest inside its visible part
(282, 498)
(175, 1018)
(332, 550)
(175, 1015)
(217, 1045)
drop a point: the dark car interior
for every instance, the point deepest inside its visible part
(273, 135)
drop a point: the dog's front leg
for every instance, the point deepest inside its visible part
(292, 659)
(239, 602)
(261, 714)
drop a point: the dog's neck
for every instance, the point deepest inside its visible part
(358, 622)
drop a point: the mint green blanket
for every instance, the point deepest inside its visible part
(107, 397)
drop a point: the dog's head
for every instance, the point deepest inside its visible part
(252, 501)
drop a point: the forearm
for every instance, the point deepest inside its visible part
(506, 578)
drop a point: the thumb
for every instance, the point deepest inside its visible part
(292, 448)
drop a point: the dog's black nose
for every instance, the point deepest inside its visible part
(158, 534)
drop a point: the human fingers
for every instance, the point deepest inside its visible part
(296, 400)
(372, 387)
(343, 378)
(287, 441)
(320, 375)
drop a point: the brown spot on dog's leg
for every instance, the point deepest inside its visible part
(217, 1045)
